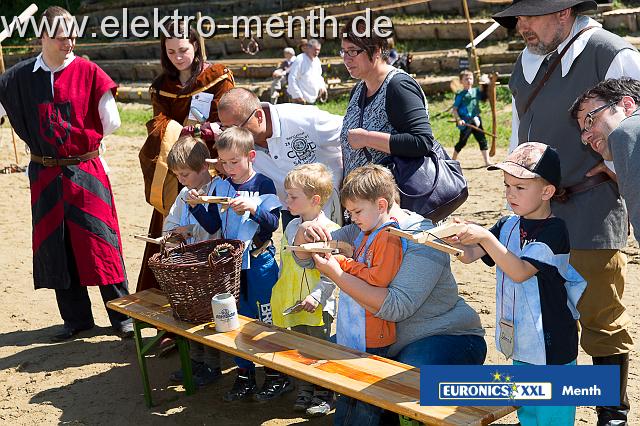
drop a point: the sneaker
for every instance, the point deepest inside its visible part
(178, 376)
(243, 387)
(303, 400)
(321, 403)
(125, 330)
(275, 385)
(205, 375)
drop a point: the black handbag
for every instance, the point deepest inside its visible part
(432, 186)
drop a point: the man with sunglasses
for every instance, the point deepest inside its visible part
(566, 53)
(287, 135)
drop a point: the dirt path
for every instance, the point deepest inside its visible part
(95, 380)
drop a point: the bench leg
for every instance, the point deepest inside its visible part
(185, 361)
(407, 421)
(137, 332)
(142, 350)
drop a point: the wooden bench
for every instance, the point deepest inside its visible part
(372, 379)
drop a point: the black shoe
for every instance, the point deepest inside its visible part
(203, 374)
(178, 376)
(125, 330)
(243, 387)
(275, 385)
(68, 332)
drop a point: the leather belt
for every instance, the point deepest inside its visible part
(66, 161)
(564, 194)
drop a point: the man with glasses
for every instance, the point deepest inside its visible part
(305, 82)
(566, 53)
(287, 135)
(62, 106)
(609, 117)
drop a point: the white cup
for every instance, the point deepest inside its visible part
(225, 312)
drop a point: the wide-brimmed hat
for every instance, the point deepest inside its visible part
(531, 160)
(507, 18)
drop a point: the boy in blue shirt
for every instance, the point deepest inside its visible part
(252, 216)
(466, 110)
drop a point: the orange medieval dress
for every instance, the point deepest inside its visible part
(171, 103)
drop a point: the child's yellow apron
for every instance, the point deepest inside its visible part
(291, 288)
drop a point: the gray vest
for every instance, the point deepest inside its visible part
(375, 119)
(597, 218)
(623, 142)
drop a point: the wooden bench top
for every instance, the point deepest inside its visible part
(372, 379)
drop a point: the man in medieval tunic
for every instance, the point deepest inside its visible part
(566, 53)
(62, 106)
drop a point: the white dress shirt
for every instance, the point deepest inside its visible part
(302, 134)
(305, 78)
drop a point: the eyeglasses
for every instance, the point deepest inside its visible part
(589, 120)
(246, 120)
(350, 53)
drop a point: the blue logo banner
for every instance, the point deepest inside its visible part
(519, 385)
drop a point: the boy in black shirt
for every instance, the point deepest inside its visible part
(537, 290)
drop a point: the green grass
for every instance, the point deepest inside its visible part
(135, 116)
(446, 132)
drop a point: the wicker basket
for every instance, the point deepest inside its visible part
(191, 274)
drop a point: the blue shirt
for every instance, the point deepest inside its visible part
(267, 220)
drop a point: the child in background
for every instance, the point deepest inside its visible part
(186, 160)
(466, 110)
(537, 290)
(280, 74)
(308, 188)
(252, 216)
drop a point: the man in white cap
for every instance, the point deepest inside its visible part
(567, 53)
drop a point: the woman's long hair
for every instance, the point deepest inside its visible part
(168, 68)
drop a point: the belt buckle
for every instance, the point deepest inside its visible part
(49, 161)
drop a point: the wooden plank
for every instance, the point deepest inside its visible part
(209, 199)
(425, 238)
(372, 379)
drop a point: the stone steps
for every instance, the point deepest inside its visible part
(223, 45)
(139, 92)
(433, 62)
(253, 7)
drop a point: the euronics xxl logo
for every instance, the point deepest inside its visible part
(535, 385)
(501, 387)
(488, 390)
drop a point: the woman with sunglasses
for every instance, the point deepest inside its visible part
(387, 112)
(187, 83)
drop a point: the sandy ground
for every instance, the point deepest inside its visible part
(94, 379)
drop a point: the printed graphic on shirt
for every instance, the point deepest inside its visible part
(55, 122)
(248, 194)
(264, 313)
(301, 149)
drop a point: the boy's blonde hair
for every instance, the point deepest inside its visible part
(464, 73)
(312, 179)
(236, 139)
(370, 183)
(188, 153)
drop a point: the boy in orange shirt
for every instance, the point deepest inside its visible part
(368, 194)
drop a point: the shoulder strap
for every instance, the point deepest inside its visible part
(552, 68)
